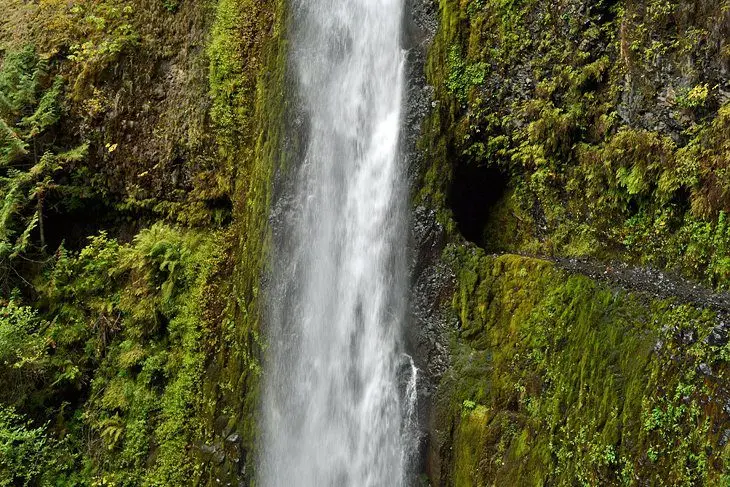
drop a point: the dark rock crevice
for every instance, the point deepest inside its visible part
(474, 192)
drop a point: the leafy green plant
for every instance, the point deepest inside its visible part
(171, 5)
(23, 450)
(20, 342)
(462, 76)
(695, 97)
(30, 105)
(28, 454)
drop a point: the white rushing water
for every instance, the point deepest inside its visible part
(339, 393)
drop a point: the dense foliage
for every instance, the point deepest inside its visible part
(33, 168)
(120, 355)
(135, 165)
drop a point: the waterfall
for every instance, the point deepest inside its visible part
(339, 393)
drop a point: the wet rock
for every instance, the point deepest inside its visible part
(724, 438)
(716, 339)
(219, 457)
(207, 452)
(687, 337)
(705, 369)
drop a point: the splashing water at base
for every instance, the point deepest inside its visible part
(339, 394)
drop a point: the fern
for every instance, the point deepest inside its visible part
(12, 147)
(20, 81)
(48, 111)
(30, 105)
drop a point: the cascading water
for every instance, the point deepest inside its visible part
(339, 392)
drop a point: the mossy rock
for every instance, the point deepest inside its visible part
(560, 380)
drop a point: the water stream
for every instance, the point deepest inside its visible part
(339, 392)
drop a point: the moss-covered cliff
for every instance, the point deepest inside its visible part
(595, 131)
(559, 380)
(137, 146)
(585, 129)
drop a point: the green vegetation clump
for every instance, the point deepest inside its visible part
(123, 349)
(462, 77)
(28, 456)
(32, 165)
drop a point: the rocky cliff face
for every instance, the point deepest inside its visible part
(594, 136)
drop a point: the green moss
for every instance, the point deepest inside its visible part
(462, 77)
(468, 444)
(247, 87)
(570, 382)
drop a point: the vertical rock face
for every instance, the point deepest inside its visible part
(595, 129)
(334, 411)
(572, 130)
